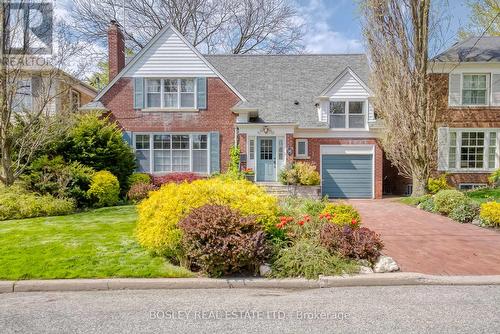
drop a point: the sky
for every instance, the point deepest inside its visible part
(333, 26)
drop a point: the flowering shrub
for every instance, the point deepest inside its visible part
(465, 212)
(490, 213)
(248, 171)
(302, 173)
(446, 200)
(175, 178)
(220, 241)
(341, 214)
(104, 189)
(140, 191)
(359, 243)
(159, 214)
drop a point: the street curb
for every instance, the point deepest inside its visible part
(387, 279)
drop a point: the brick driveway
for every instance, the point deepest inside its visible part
(428, 243)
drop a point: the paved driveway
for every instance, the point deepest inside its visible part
(429, 243)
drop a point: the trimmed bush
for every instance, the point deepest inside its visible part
(140, 191)
(18, 203)
(446, 200)
(490, 213)
(341, 214)
(98, 143)
(434, 185)
(307, 258)
(220, 241)
(175, 178)
(465, 212)
(428, 205)
(360, 243)
(159, 215)
(53, 176)
(104, 189)
(139, 178)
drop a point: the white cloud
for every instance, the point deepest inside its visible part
(320, 36)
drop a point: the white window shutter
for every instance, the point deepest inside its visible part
(495, 89)
(443, 148)
(488, 84)
(324, 107)
(455, 90)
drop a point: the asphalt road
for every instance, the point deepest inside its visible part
(418, 309)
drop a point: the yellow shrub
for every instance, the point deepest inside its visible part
(307, 173)
(104, 189)
(490, 213)
(159, 214)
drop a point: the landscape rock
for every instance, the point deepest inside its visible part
(265, 269)
(365, 270)
(385, 264)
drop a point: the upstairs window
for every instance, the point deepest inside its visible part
(347, 114)
(172, 93)
(474, 89)
(23, 99)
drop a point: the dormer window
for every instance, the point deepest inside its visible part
(348, 114)
(171, 93)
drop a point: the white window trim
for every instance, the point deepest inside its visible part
(346, 102)
(162, 95)
(251, 155)
(488, 89)
(306, 153)
(458, 146)
(151, 151)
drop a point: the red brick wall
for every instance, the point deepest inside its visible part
(217, 117)
(242, 143)
(464, 117)
(116, 50)
(314, 154)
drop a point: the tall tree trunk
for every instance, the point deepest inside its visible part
(419, 183)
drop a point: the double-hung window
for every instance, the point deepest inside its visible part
(347, 114)
(166, 152)
(23, 98)
(472, 149)
(474, 89)
(171, 93)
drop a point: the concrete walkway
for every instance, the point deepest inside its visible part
(429, 243)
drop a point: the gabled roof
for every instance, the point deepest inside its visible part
(349, 71)
(139, 55)
(274, 83)
(474, 49)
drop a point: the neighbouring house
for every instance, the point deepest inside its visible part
(469, 125)
(43, 88)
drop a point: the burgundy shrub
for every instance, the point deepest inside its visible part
(140, 191)
(175, 178)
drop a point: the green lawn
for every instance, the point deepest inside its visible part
(93, 244)
(484, 195)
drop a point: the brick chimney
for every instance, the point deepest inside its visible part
(116, 49)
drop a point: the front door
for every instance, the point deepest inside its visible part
(266, 159)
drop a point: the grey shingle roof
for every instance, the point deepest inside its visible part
(487, 49)
(272, 83)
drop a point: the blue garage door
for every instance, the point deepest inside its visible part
(347, 176)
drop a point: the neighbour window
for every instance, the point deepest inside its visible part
(347, 114)
(301, 147)
(75, 100)
(23, 97)
(472, 149)
(171, 93)
(172, 152)
(471, 186)
(474, 89)
(251, 149)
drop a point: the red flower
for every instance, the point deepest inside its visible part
(301, 223)
(353, 221)
(307, 218)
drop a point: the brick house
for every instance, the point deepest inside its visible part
(182, 111)
(469, 124)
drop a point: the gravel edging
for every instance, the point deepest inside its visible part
(388, 279)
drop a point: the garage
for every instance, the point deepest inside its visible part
(347, 175)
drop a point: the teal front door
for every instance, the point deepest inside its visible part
(266, 159)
